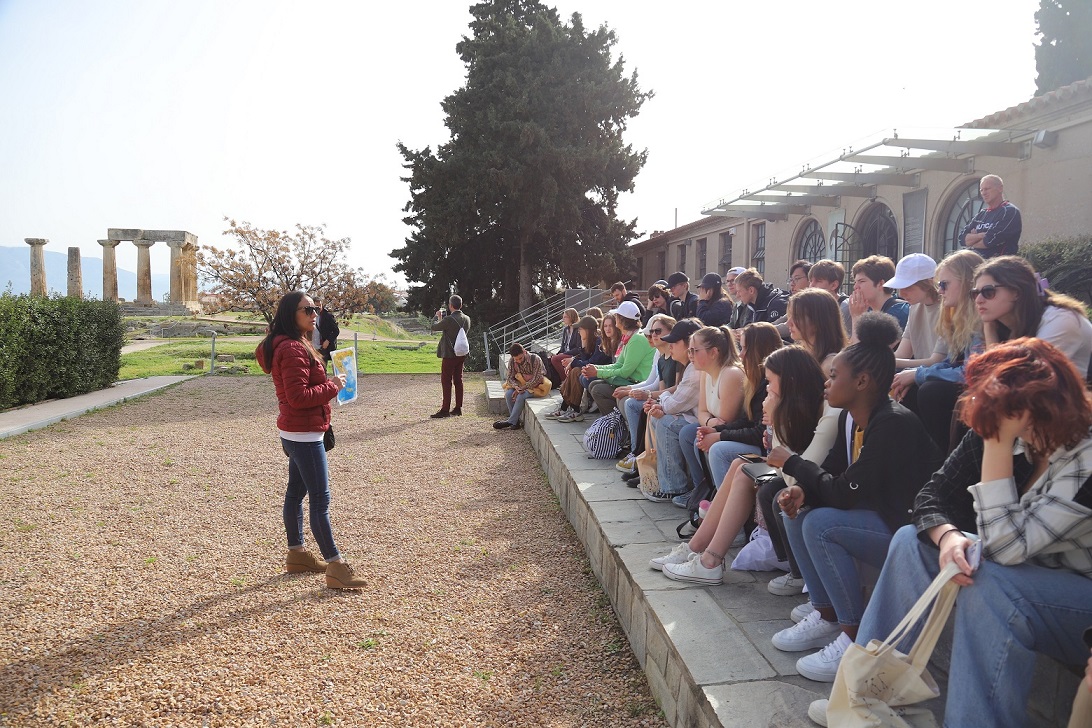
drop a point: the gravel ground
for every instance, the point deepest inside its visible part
(142, 584)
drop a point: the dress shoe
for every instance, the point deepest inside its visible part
(457, 412)
(440, 415)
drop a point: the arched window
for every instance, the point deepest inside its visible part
(961, 210)
(811, 245)
(879, 232)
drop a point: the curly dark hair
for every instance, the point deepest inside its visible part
(876, 334)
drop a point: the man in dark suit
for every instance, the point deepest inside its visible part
(451, 366)
(327, 330)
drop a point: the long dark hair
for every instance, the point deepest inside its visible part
(284, 324)
(798, 412)
(1027, 313)
(590, 325)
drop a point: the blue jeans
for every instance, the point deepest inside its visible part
(825, 542)
(723, 453)
(307, 476)
(632, 410)
(687, 437)
(515, 404)
(670, 465)
(1001, 621)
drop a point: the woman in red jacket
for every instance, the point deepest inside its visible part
(303, 395)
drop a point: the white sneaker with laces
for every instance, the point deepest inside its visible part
(810, 633)
(627, 464)
(556, 413)
(823, 665)
(678, 555)
(694, 572)
(800, 611)
(786, 585)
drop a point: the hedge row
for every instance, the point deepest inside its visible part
(56, 347)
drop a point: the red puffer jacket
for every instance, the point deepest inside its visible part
(303, 391)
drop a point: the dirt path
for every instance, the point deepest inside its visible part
(141, 580)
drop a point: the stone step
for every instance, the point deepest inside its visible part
(494, 395)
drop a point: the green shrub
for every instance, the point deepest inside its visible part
(56, 347)
(1065, 262)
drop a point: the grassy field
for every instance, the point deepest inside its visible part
(375, 357)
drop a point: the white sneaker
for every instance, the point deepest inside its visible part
(678, 555)
(627, 464)
(810, 633)
(694, 572)
(786, 585)
(823, 665)
(556, 413)
(800, 611)
(817, 711)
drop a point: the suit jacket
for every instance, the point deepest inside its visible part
(449, 325)
(329, 331)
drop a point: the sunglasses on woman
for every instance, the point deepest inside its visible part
(987, 292)
(658, 332)
(309, 310)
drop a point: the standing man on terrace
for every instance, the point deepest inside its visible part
(451, 365)
(995, 230)
(619, 293)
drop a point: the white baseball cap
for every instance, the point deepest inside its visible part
(911, 269)
(628, 309)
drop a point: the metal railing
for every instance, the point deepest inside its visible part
(539, 326)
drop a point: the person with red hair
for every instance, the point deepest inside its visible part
(1020, 483)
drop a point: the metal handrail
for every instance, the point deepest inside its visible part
(540, 325)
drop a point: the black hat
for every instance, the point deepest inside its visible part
(676, 278)
(711, 280)
(682, 330)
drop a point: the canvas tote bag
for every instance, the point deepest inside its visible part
(646, 463)
(875, 683)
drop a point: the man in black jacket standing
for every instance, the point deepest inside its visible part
(326, 331)
(451, 365)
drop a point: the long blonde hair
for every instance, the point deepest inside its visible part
(958, 326)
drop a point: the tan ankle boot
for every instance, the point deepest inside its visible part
(299, 561)
(339, 575)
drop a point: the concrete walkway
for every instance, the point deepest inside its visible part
(36, 416)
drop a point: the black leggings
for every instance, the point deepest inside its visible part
(934, 403)
(767, 501)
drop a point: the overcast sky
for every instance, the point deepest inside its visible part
(161, 114)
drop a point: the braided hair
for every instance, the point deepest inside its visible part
(876, 334)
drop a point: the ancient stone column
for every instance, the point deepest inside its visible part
(176, 270)
(109, 270)
(75, 274)
(189, 273)
(37, 266)
(144, 271)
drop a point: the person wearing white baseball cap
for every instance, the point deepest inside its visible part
(632, 364)
(914, 280)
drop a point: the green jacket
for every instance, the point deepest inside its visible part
(633, 364)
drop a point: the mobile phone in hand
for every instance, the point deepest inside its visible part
(751, 458)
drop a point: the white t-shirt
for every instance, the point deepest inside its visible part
(1070, 332)
(921, 329)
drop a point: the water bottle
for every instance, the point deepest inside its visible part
(703, 509)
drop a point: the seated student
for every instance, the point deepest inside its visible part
(568, 347)
(659, 301)
(596, 313)
(1020, 479)
(761, 301)
(815, 322)
(685, 303)
(828, 275)
(672, 410)
(619, 294)
(798, 281)
(849, 507)
(931, 390)
(632, 399)
(572, 387)
(632, 362)
(1012, 304)
(724, 443)
(610, 337)
(871, 293)
(714, 307)
(713, 352)
(794, 406)
(913, 280)
(525, 376)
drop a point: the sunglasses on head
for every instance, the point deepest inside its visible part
(309, 310)
(987, 292)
